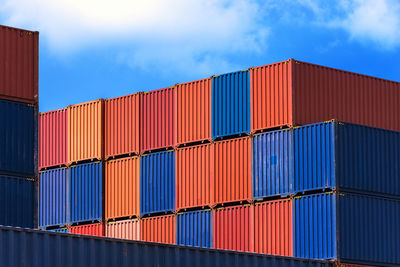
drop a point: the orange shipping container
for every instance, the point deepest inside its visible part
(127, 229)
(232, 178)
(160, 229)
(96, 229)
(121, 126)
(193, 111)
(273, 231)
(85, 131)
(194, 176)
(122, 187)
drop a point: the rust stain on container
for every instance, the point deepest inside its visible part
(96, 229)
(160, 229)
(121, 125)
(122, 187)
(193, 111)
(127, 229)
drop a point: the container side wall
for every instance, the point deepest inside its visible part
(160, 229)
(128, 229)
(194, 228)
(60, 230)
(96, 229)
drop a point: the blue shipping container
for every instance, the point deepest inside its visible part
(157, 183)
(194, 228)
(17, 201)
(53, 198)
(349, 227)
(18, 126)
(230, 104)
(86, 192)
(60, 230)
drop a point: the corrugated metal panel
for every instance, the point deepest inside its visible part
(19, 65)
(53, 198)
(230, 104)
(157, 183)
(24, 248)
(53, 139)
(194, 176)
(85, 186)
(271, 96)
(160, 229)
(127, 229)
(273, 227)
(17, 138)
(122, 186)
(157, 119)
(60, 230)
(194, 228)
(96, 229)
(85, 126)
(193, 111)
(17, 201)
(272, 164)
(232, 180)
(233, 228)
(121, 125)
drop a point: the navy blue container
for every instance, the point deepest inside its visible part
(17, 201)
(194, 228)
(86, 192)
(230, 113)
(18, 126)
(157, 183)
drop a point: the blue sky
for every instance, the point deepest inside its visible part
(92, 49)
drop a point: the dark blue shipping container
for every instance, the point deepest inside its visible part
(230, 104)
(349, 227)
(86, 192)
(194, 228)
(17, 201)
(53, 198)
(18, 126)
(157, 183)
(32, 248)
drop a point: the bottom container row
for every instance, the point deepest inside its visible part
(347, 227)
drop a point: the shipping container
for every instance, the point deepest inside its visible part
(60, 230)
(85, 126)
(86, 192)
(194, 176)
(53, 198)
(194, 228)
(193, 111)
(233, 228)
(96, 229)
(126, 229)
(157, 183)
(157, 121)
(230, 104)
(273, 227)
(19, 65)
(160, 229)
(18, 144)
(122, 121)
(53, 138)
(232, 175)
(122, 188)
(294, 93)
(17, 201)
(353, 228)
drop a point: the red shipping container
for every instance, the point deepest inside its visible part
(96, 229)
(160, 229)
(157, 120)
(19, 65)
(121, 126)
(193, 111)
(273, 229)
(127, 229)
(293, 93)
(233, 228)
(53, 139)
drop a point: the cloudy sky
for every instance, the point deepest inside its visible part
(92, 49)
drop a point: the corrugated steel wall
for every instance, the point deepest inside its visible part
(194, 228)
(157, 183)
(122, 188)
(60, 230)
(96, 229)
(160, 229)
(230, 104)
(193, 111)
(122, 121)
(53, 198)
(127, 229)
